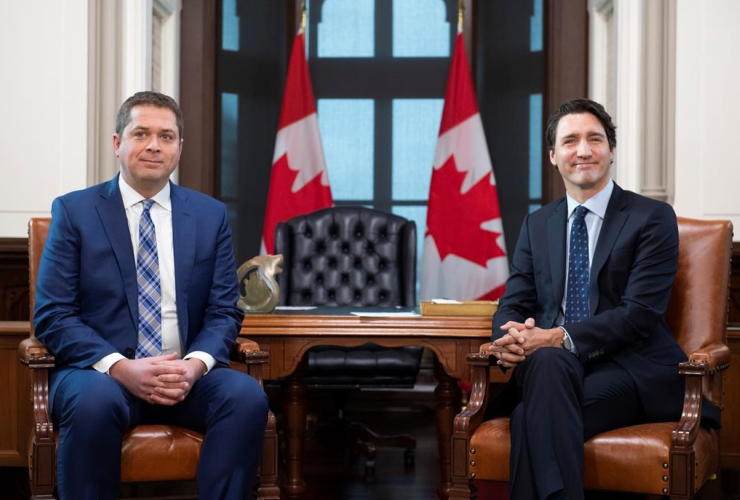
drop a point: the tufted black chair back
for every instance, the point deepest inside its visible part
(348, 256)
(358, 257)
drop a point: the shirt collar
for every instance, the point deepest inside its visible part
(131, 197)
(596, 204)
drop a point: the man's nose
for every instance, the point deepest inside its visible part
(153, 144)
(584, 149)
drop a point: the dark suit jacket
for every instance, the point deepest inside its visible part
(632, 273)
(86, 295)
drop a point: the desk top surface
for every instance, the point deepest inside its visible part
(340, 321)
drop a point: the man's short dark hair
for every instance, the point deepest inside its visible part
(577, 107)
(147, 98)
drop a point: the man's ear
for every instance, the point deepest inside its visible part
(552, 158)
(116, 144)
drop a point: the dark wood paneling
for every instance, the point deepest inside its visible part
(566, 32)
(730, 436)
(198, 41)
(15, 387)
(734, 312)
(13, 279)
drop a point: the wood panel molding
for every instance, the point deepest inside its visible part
(198, 46)
(566, 31)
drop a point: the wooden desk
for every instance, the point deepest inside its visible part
(287, 335)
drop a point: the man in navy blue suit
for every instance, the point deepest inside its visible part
(582, 320)
(136, 297)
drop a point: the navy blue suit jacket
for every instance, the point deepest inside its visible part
(86, 295)
(632, 273)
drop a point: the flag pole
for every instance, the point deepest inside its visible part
(460, 10)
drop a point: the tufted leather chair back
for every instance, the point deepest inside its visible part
(356, 257)
(347, 256)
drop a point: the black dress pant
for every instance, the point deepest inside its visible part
(562, 405)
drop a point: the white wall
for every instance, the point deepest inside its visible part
(43, 98)
(707, 177)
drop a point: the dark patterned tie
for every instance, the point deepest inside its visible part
(576, 304)
(150, 295)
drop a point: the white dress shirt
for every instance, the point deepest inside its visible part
(594, 219)
(161, 213)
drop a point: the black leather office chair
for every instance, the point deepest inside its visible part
(357, 257)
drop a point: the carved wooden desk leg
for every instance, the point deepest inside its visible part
(448, 405)
(294, 409)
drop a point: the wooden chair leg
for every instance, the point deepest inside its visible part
(42, 471)
(268, 473)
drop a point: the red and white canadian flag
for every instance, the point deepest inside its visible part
(299, 183)
(464, 255)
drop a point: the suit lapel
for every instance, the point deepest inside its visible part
(183, 240)
(614, 220)
(557, 225)
(113, 216)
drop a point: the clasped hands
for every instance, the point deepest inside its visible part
(521, 340)
(162, 380)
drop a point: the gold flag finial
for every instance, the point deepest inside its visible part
(460, 10)
(303, 15)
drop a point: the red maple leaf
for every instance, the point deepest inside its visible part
(454, 219)
(283, 204)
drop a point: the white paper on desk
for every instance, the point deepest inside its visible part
(386, 314)
(445, 301)
(295, 308)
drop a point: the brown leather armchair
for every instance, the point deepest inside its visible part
(670, 458)
(150, 452)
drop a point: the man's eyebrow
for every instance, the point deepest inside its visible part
(147, 129)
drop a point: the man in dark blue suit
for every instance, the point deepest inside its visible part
(136, 297)
(582, 320)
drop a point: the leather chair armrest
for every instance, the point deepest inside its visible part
(472, 416)
(701, 373)
(37, 357)
(248, 352)
(34, 354)
(707, 363)
(487, 350)
(716, 357)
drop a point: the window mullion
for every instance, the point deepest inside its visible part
(383, 29)
(383, 154)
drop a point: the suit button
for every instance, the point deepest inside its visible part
(129, 352)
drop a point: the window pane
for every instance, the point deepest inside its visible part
(347, 132)
(229, 147)
(420, 28)
(415, 129)
(347, 29)
(536, 27)
(230, 26)
(418, 215)
(535, 146)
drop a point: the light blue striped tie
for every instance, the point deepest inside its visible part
(150, 294)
